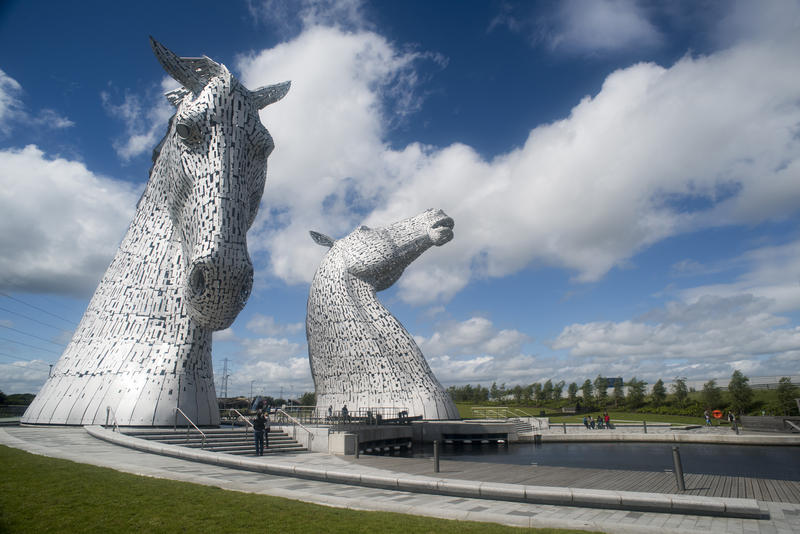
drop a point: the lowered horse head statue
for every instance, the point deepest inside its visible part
(361, 356)
(142, 352)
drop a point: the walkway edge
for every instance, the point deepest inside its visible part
(733, 439)
(622, 500)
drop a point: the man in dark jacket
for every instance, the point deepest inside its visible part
(259, 425)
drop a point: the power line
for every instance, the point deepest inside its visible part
(23, 359)
(32, 319)
(32, 335)
(31, 346)
(38, 308)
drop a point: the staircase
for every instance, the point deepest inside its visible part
(523, 427)
(229, 441)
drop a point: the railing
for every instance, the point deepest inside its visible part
(794, 426)
(175, 427)
(295, 424)
(109, 410)
(243, 418)
(491, 412)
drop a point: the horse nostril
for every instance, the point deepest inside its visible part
(197, 281)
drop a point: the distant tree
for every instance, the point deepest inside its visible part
(309, 398)
(619, 393)
(481, 394)
(558, 390)
(711, 395)
(787, 392)
(20, 399)
(494, 392)
(587, 390)
(680, 391)
(547, 390)
(659, 393)
(601, 390)
(2, 397)
(740, 392)
(538, 393)
(636, 389)
(518, 392)
(572, 391)
(527, 393)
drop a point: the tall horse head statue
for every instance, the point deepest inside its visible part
(212, 170)
(361, 356)
(142, 351)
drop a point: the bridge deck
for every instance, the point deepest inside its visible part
(609, 479)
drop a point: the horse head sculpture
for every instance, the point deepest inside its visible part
(213, 164)
(143, 347)
(360, 354)
(379, 256)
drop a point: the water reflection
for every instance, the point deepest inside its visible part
(781, 463)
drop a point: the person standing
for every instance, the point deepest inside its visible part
(259, 424)
(266, 432)
(607, 420)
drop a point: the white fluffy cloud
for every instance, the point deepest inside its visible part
(708, 141)
(267, 325)
(23, 376)
(475, 336)
(771, 273)
(62, 221)
(145, 119)
(598, 26)
(12, 109)
(709, 337)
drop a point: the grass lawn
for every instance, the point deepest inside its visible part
(41, 495)
(465, 410)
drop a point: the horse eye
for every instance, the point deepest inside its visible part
(187, 131)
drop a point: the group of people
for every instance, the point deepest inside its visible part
(602, 421)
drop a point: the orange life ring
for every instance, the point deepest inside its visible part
(717, 414)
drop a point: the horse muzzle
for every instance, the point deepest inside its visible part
(217, 288)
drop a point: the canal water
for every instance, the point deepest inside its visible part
(780, 463)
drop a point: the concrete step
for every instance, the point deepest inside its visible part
(229, 441)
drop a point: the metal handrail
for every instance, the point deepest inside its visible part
(116, 426)
(296, 424)
(175, 427)
(245, 419)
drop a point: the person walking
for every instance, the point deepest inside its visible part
(259, 424)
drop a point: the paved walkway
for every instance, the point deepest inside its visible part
(77, 445)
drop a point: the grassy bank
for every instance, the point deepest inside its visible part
(616, 416)
(42, 495)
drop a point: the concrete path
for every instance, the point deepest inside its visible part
(78, 445)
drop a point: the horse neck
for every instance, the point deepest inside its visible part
(145, 278)
(351, 300)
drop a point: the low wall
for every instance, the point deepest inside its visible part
(429, 431)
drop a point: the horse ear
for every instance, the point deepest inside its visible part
(192, 73)
(264, 96)
(321, 239)
(176, 95)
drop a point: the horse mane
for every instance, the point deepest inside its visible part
(155, 156)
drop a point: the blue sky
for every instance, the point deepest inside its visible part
(624, 176)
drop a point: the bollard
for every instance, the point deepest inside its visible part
(356, 446)
(108, 409)
(735, 427)
(436, 456)
(644, 423)
(678, 468)
(565, 427)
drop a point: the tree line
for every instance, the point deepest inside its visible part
(604, 392)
